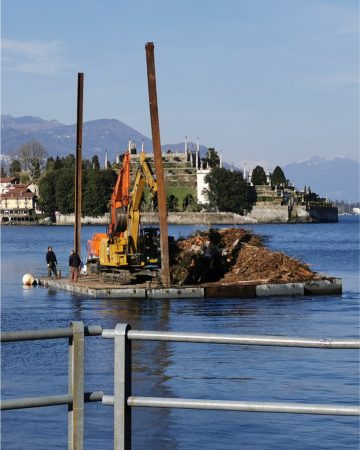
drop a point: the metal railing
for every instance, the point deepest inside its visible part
(76, 397)
(122, 399)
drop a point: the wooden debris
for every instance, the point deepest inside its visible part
(230, 256)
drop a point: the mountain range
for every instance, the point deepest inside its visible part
(336, 179)
(99, 136)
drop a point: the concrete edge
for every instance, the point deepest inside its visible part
(181, 292)
(328, 286)
(286, 289)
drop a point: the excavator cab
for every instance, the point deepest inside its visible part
(150, 241)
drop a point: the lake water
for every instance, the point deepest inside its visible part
(187, 370)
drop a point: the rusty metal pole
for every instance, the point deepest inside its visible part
(78, 165)
(154, 115)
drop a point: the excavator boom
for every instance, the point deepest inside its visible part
(118, 204)
(120, 198)
(144, 176)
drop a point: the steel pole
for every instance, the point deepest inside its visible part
(155, 128)
(122, 388)
(76, 388)
(231, 405)
(78, 165)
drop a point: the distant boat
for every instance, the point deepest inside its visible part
(356, 211)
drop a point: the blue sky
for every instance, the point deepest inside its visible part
(274, 80)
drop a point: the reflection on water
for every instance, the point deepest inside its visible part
(188, 370)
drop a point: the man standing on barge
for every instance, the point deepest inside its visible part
(74, 264)
(51, 261)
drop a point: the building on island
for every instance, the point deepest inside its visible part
(17, 201)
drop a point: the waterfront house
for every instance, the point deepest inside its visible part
(17, 203)
(7, 182)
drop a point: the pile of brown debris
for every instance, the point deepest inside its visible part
(230, 256)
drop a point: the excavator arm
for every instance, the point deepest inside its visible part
(118, 204)
(144, 176)
(120, 198)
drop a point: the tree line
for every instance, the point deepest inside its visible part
(227, 190)
(57, 186)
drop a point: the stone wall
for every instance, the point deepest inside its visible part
(269, 212)
(186, 218)
(204, 218)
(314, 214)
(263, 212)
(69, 219)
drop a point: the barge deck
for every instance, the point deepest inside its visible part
(92, 286)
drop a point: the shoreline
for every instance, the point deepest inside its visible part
(193, 218)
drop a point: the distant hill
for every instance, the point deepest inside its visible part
(28, 123)
(336, 179)
(59, 139)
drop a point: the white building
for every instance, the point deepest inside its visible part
(201, 185)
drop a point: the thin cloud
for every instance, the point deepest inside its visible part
(336, 82)
(34, 57)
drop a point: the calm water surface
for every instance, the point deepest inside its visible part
(187, 370)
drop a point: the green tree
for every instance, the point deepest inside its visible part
(36, 171)
(69, 161)
(227, 190)
(95, 162)
(32, 156)
(15, 167)
(86, 165)
(278, 177)
(212, 158)
(188, 202)
(172, 203)
(58, 163)
(50, 163)
(47, 192)
(24, 178)
(90, 202)
(2, 171)
(97, 189)
(258, 176)
(64, 190)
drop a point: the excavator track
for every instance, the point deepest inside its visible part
(121, 277)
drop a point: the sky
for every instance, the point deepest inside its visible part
(273, 80)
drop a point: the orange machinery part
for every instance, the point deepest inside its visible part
(119, 198)
(93, 245)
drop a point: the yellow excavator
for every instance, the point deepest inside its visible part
(127, 252)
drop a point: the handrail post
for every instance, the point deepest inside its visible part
(76, 387)
(122, 388)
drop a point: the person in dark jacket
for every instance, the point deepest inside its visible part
(51, 261)
(74, 264)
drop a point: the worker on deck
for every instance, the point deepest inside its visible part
(74, 264)
(51, 261)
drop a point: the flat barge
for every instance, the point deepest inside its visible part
(92, 286)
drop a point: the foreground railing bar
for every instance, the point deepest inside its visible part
(53, 400)
(270, 407)
(76, 358)
(52, 333)
(95, 396)
(34, 402)
(214, 338)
